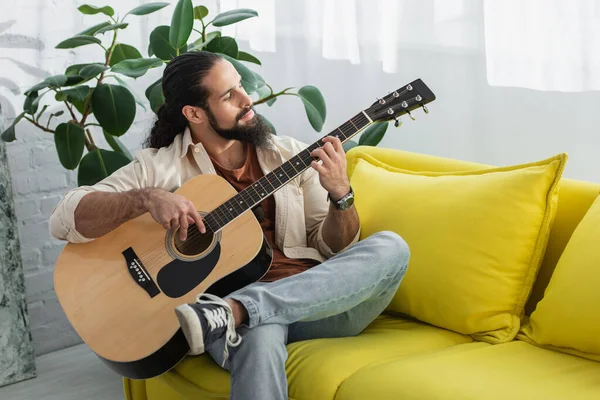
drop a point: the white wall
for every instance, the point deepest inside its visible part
(470, 119)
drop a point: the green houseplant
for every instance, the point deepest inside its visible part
(98, 100)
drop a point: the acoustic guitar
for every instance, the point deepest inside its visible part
(119, 291)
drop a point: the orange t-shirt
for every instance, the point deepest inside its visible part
(243, 177)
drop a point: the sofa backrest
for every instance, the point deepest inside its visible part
(575, 197)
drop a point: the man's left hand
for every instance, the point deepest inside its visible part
(332, 168)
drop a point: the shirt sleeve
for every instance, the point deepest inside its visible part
(62, 221)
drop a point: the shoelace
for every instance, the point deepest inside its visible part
(220, 317)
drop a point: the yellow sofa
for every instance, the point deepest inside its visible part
(398, 357)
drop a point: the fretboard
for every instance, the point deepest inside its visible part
(280, 176)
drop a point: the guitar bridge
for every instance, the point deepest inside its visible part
(138, 272)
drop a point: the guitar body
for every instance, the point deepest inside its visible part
(119, 291)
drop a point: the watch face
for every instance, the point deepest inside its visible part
(347, 203)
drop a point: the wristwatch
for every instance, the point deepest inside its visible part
(345, 202)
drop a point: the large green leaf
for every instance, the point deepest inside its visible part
(29, 106)
(136, 67)
(75, 80)
(123, 52)
(91, 31)
(349, 144)
(69, 140)
(77, 93)
(9, 134)
(91, 70)
(260, 82)
(182, 23)
(72, 74)
(77, 41)
(159, 40)
(149, 88)
(224, 45)
(373, 134)
(32, 101)
(314, 104)
(200, 44)
(249, 80)
(114, 108)
(116, 145)
(147, 8)
(54, 81)
(243, 56)
(91, 10)
(200, 12)
(73, 70)
(233, 16)
(98, 164)
(112, 27)
(156, 97)
(135, 96)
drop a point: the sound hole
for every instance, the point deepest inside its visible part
(196, 242)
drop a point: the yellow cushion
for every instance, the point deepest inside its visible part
(568, 317)
(515, 370)
(315, 368)
(477, 238)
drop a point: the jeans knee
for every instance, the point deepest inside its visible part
(394, 251)
(266, 341)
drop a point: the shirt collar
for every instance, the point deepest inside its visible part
(187, 142)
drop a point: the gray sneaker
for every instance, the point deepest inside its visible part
(206, 321)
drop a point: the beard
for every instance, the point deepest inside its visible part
(255, 132)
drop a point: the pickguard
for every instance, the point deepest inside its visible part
(178, 277)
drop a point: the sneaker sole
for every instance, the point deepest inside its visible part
(192, 330)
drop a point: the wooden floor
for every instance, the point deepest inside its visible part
(70, 374)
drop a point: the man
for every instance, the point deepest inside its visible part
(323, 282)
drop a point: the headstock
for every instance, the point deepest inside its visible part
(402, 101)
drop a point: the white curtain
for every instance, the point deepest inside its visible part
(535, 44)
(361, 31)
(543, 44)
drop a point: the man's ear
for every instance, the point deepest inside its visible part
(194, 115)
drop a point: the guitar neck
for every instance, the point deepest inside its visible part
(279, 177)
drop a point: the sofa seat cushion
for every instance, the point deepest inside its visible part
(316, 368)
(474, 371)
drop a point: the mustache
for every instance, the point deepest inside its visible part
(244, 112)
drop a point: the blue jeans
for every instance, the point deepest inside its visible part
(337, 298)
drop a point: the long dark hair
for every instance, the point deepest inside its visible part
(181, 86)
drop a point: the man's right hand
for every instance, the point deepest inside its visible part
(173, 211)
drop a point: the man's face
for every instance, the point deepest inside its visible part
(230, 111)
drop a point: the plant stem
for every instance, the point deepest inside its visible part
(71, 111)
(92, 124)
(90, 138)
(38, 125)
(272, 96)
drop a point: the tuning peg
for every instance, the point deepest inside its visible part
(410, 115)
(380, 101)
(425, 109)
(397, 122)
